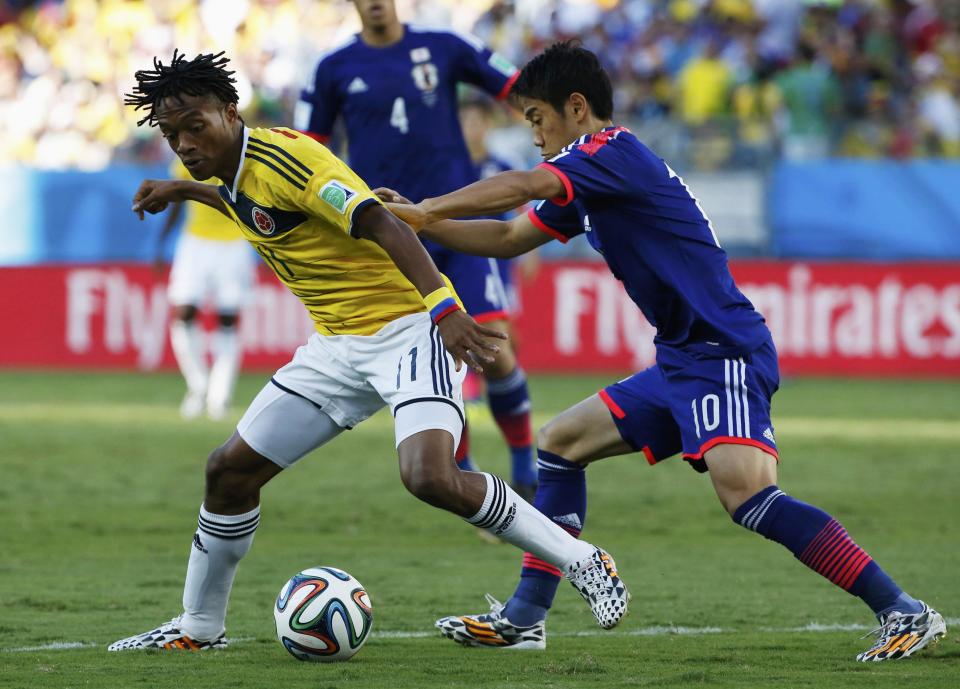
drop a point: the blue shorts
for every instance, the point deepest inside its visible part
(478, 282)
(693, 404)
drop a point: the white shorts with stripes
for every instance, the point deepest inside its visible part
(347, 378)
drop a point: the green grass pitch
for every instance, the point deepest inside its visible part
(101, 482)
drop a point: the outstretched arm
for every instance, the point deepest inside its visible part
(154, 195)
(496, 194)
(496, 238)
(462, 336)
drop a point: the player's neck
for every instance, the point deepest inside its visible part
(591, 126)
(231, 161)
(382, 36)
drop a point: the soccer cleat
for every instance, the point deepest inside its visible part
(597, 581)
(493, 630)
(167, 637)
(901, 635)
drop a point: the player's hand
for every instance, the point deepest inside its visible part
(154, 195)
(412, 214)
(390, 196)
(468, 341)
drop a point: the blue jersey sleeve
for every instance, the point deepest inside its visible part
(560, 222)
(590, 168)
(478, 65)
(320, 104)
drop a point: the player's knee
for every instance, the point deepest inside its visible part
(185, 312)
(432, 487)
(223, 481)
(558, 437)
(227, 320)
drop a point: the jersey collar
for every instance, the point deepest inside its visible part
(243, 156)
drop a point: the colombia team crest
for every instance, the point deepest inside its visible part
(263, 222)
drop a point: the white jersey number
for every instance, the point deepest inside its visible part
(398, 116)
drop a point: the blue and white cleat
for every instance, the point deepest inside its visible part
(900, 635)
(493, 630)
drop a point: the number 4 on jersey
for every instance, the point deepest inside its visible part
(398, 116)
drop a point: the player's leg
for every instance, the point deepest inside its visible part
(282, 424)
(232, 284)
(734, 437)
(409, 368)
(186, 292)
(628, 416)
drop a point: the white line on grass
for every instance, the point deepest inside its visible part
(810, 627)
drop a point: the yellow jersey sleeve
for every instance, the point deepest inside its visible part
(334, 194)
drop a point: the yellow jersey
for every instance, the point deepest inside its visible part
(295, 202)
(200, 219)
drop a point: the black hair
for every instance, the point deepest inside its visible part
(203, 75)
(562, 69)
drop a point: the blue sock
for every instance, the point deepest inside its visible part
(509, 402)
(562, 496)
(822, 544)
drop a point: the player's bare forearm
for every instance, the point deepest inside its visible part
(402, 246)
(154, 195)
(478, 237)
(496, 194)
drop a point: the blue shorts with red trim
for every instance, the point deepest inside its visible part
(478, 281)
(693, 404)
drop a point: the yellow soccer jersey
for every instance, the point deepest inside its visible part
(295, 202)
(200, 219)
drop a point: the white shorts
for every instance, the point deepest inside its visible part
(210, 271)
(345, 379)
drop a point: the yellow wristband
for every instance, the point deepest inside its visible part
(437, 296)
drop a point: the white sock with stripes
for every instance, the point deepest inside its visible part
(508, 516)
(219, 544)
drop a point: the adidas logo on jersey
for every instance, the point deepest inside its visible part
(358, 85)
(768, 434)
(571, 520)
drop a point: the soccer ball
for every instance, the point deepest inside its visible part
(323, 615)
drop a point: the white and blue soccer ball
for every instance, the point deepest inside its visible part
(323, 615)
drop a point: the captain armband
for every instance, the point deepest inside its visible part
(440, 303)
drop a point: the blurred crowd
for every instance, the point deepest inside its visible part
(716, 83)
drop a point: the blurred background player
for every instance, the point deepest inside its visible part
(211, 264)
(395, 87)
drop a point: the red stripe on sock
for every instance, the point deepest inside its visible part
(515, 428)
(838, 559)
(533, 562)
(824, 551)
(814, 546)
(854, 568)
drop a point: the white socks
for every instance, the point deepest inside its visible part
(223, 374)
(508, 516)
(219, 544)
(188, 347)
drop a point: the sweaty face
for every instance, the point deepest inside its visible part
(200, 130)
(551, 130)
(376, 13)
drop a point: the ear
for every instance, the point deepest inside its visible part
(230, 112)
(577, 107)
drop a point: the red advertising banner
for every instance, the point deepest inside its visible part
(829, 319)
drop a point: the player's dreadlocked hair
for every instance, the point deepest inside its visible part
(203, 75)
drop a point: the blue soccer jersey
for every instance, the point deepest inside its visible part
(399, 105)
(656, 240)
